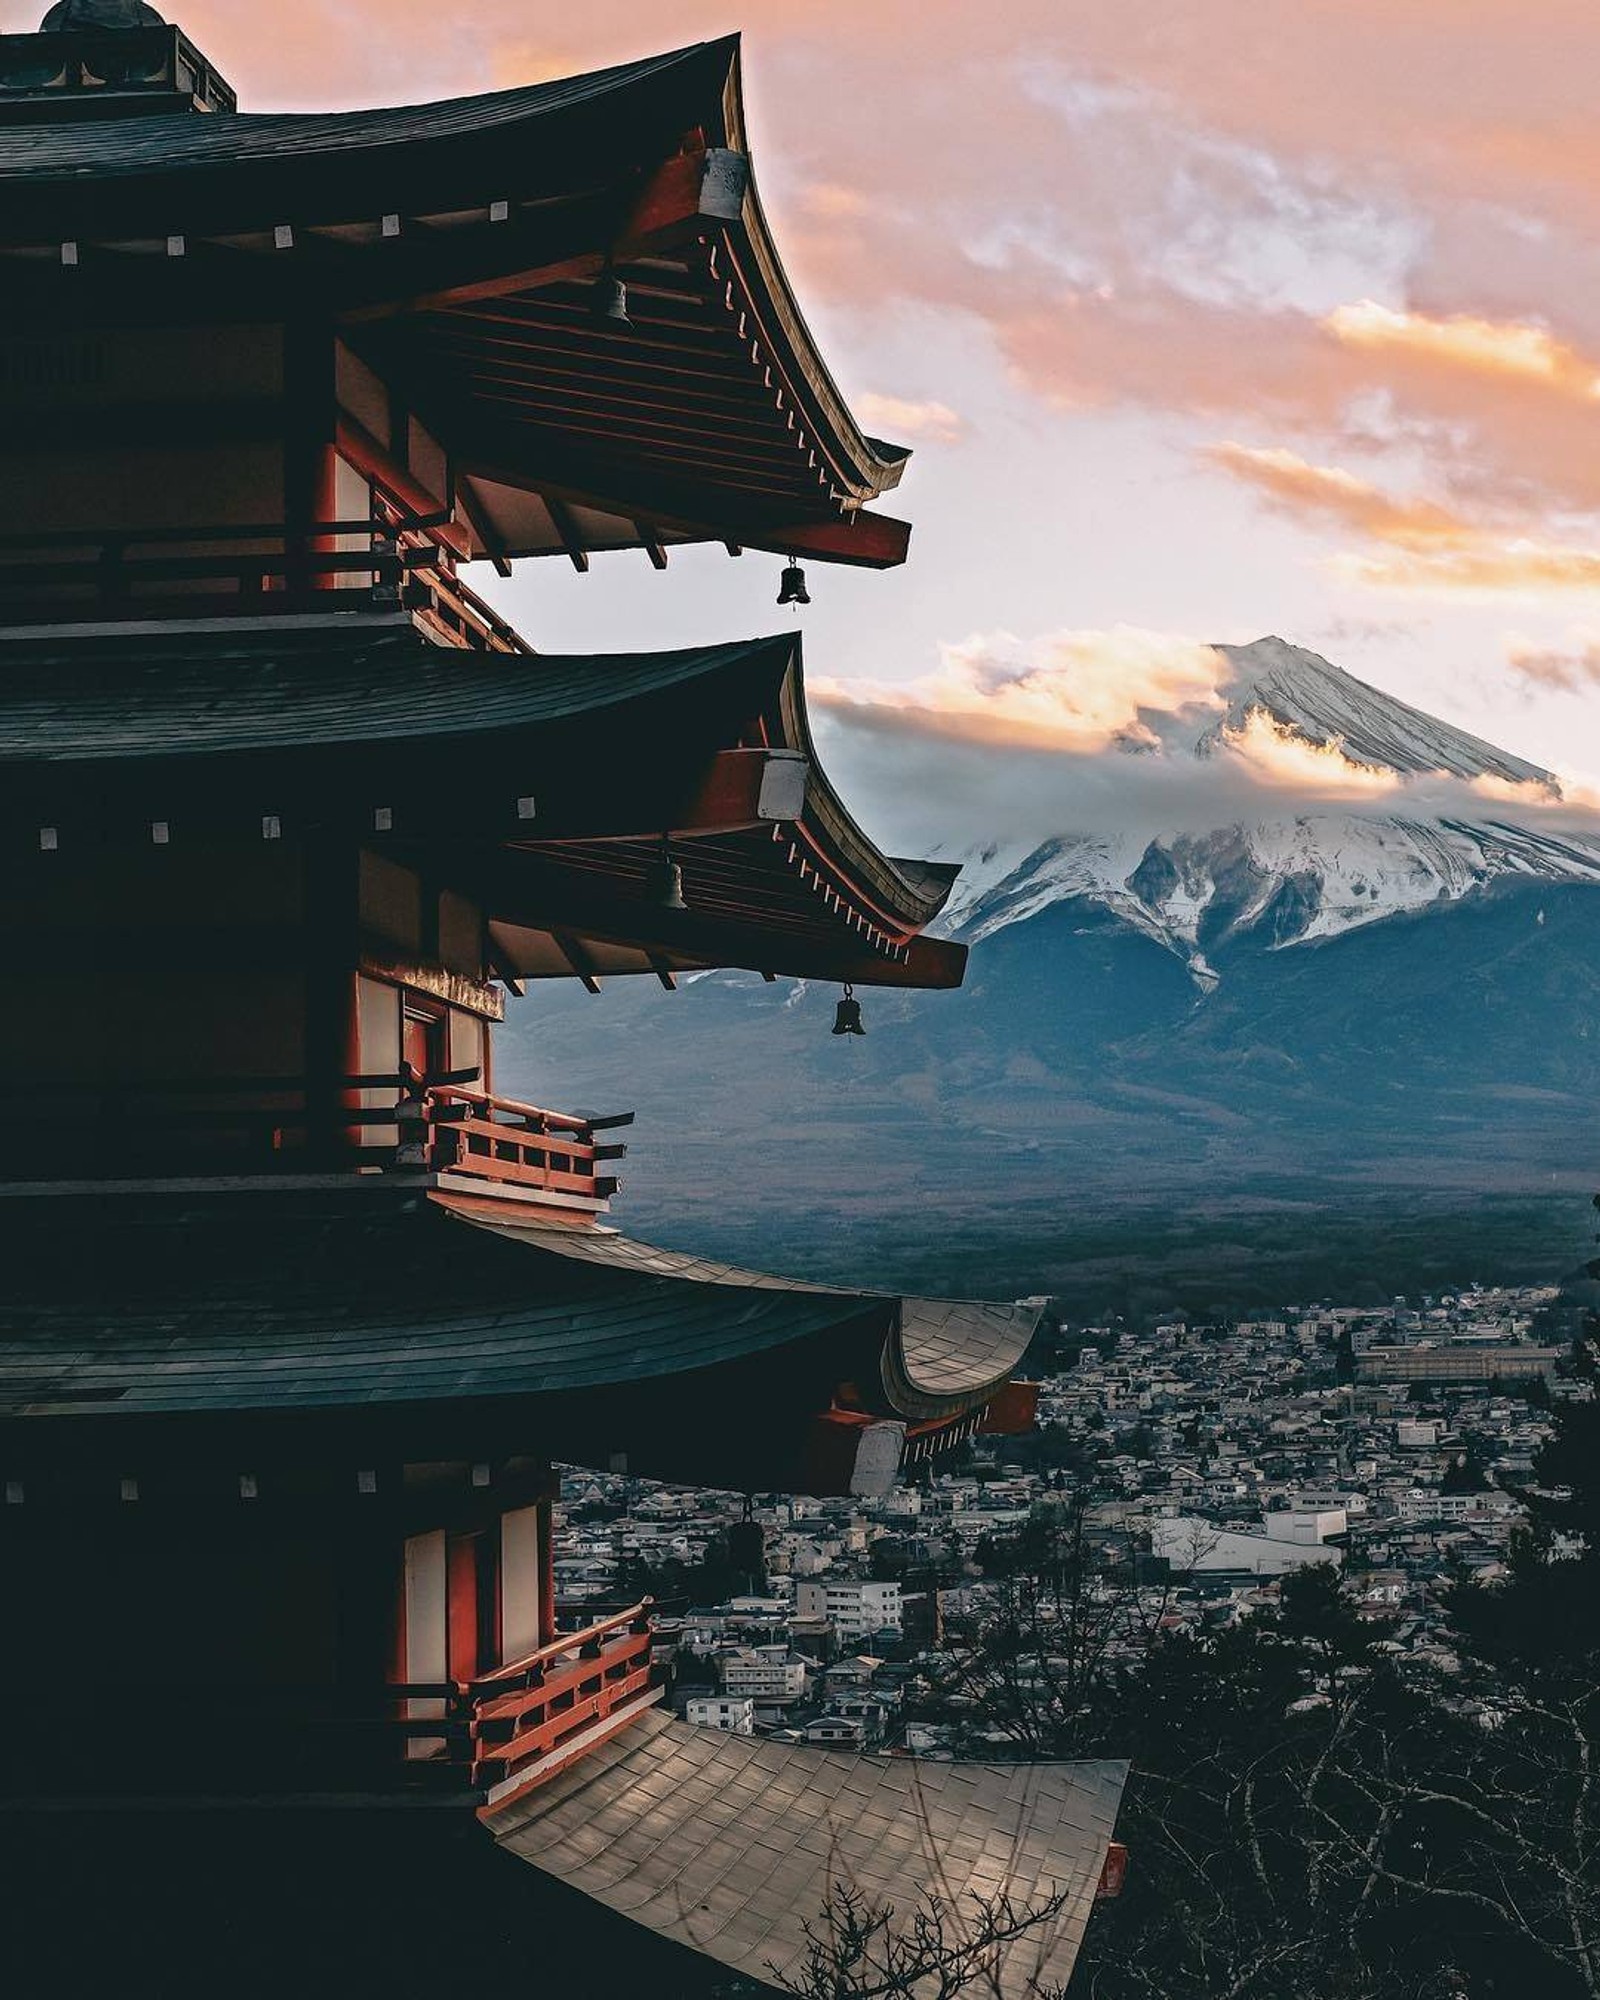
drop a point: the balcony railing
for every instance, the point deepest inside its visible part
(471, 1140)
(471, 1137)
(503, 1727)
(401, 563)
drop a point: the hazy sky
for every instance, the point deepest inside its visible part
(1206, 318)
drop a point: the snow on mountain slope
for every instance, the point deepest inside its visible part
(1323, 704)
(1290, 880)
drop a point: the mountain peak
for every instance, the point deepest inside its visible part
(1321, 703)
(1291, 876)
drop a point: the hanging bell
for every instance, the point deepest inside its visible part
(664, 887)
(609, 299)
(847, 1015)
(792, 585)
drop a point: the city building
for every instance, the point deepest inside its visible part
(763, 1673)
(856, 1609)
(736, 1715)
(1459, 1361)
(1190, 1543)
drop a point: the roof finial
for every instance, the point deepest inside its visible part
(72, 16)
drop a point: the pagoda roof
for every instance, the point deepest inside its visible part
(733, 1845)
(542, 784)
(456, 248)
(383, 1311)
(940, 1357)
(70, 148)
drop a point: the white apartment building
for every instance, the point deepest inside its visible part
(1305, 1524)
(855, 1608)
(1435, 1506)
(763, 1674)
(735, 1714)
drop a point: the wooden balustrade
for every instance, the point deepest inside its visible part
(475, 1136)
(275, 1124)
(502, 1725)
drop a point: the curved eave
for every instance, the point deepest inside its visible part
(808, 896)
(211, 732)
(941, 1358)
(735, 1846)
(949, 1356)
(270, 1303)
(445, 1323)
(456, 245)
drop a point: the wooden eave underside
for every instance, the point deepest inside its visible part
(551, 821)
(710, 416)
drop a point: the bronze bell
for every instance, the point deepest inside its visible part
(609, 299)
(664, 884)
(847, 1015)
(792, 585)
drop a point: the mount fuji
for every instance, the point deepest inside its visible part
(1283, 881)
(1187, 1064)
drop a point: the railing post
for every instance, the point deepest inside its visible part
(414, 1141)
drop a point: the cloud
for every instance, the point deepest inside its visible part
(1495, 347)
(1279, 759)
(915, 423)
(1519, 567)
(1570, 669)
(1424, 547)
(831, 201)
(1076, 691)
(1302, 488)
(1085, 731)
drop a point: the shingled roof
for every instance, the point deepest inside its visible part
(353, 1304)
(545, 773)
(455, 247)
(732, 1844)
(70, 149)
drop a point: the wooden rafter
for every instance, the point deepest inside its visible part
(573, 952)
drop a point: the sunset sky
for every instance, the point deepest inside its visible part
(1206, 319)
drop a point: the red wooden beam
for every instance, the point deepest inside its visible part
(860, 538)
(1113, 1874)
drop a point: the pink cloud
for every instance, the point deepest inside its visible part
(1385, 206)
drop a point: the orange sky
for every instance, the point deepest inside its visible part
(1207, 318)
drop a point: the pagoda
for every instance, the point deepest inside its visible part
(298, 1310)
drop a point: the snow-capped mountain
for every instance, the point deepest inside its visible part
(1285, 881)
(1322, 704)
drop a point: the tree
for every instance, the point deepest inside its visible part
(1466, 1473)
(860, 1951)
(1344, 1365)
(1304, 1817)
(1063, 1615)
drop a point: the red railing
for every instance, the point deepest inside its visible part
(505, 1724)
(278, 1124)
(474, 1136)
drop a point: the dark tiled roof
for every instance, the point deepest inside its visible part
(730, 1844)
(944, 1353)
(118, 146)
(140, 695)
(137, 1306)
